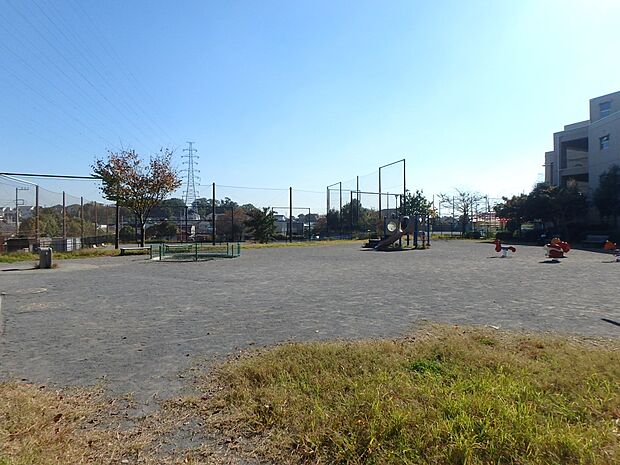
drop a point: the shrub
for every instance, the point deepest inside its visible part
(504, 235)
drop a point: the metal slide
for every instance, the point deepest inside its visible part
(405, 227)
(388, 241)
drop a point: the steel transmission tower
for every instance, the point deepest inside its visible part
(190, 184)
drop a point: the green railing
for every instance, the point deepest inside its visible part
(196, 251)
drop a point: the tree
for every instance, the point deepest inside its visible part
(558, 205)
(561, 206)
(464, 203)
(353, 213)
(417, 204)
(231, 224)
(169, 209)
(162, 230)
(262, 222)
(126, 180)
(514, 210)
(607, 195)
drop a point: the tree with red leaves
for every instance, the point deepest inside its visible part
(136, 185)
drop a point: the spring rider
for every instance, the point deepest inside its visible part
(556, 249)
(613, 248)
(504, 249)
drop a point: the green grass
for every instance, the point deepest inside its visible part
(448, 396)
(15, 257)
(324, 243)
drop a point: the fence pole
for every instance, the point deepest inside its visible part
(327, 214)
(64, 222)
(36, 212)
(357, 209)
(232, 223)
(82, 220)
(16, 211)
(380, 215)
(96, 232)
(117, 230)
(290, 214)
(340, 210)
(213, 214)
(351, 213)
(186, 226)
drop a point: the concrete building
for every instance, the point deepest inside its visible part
(584, 150)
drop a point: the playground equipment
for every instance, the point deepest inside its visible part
(613, 248)
(396, 229)
(504, 249)
(196, 251)
(556, 248)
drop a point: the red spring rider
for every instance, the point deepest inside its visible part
(504, 249)
(556, 248)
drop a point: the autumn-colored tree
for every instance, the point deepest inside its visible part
(136, 185)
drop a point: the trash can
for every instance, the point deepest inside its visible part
(45, 258)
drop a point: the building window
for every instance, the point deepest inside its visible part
(604, 142)
(605, 109)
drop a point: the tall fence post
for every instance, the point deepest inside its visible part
(117, 228)
(351, 213)
(82, 220)
(36, 212)
(232, 223)
(186, 225)
(290, 214)
(95, 221)
(327, 214)
(213, 214)
(340, 211)
(64, 222)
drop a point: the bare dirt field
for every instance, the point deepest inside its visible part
(137, 325)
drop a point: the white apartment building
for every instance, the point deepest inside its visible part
(584, 150)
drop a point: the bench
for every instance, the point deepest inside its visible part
(145, 249)
(594, 241)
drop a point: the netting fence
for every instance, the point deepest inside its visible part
(70, 214)
(32, 215)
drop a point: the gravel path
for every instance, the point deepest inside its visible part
(136, 324)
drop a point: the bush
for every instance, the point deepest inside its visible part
(472, 235)
(504, 236)
(530, 235)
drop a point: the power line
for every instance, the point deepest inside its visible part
(86, 58)
(72, 66)
(138, 85)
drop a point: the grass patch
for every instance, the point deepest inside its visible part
(82, 426)
(15, 257)
(322, 243)
(447, 396)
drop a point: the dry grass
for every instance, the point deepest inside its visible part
(48, 427)
(447, 396)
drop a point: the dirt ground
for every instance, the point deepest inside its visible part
(136, 325)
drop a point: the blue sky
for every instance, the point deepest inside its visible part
(304, 93)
